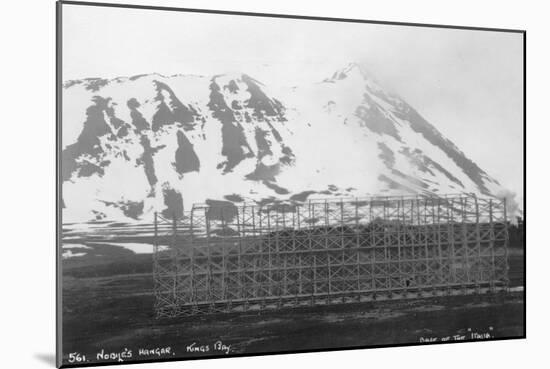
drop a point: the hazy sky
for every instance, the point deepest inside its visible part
(469, 84)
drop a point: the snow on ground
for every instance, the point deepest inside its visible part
(75, 246)
(69, 254)
(137, 248)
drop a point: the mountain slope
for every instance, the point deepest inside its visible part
(135, 145)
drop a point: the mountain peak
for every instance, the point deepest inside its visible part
(135, 145)
(353, 71)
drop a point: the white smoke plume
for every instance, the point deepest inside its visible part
(513, 210)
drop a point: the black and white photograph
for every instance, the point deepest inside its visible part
(235, 184)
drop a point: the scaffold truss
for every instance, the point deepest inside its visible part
(251, 257)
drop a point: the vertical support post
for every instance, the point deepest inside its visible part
(240, 263)
(325, 236)
(176, 261)
(300, 287)
(224, 276)
(506, 242)
(263, 236)
(271, 288)
(244, 238)
(479, 273)
(192, 251)
(155, 233)
(385, 234)
(451, 235)
(278, 263)
(414, 249)
(346, 277)
(400, 227)
(209, 277)
(492, 245)
(372, 227)
(155, 264)
(252, 238)
(358, 248)
(284, 254)
(465, 244)
(314, 252)
(439, 251)
(425, 232)
(205, 211)
(418, 234)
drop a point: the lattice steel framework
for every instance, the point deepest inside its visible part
(254, 257)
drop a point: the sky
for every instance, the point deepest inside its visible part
(468, 84)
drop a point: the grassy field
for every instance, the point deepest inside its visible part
(108, 311)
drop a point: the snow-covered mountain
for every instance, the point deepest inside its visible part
(135, 145)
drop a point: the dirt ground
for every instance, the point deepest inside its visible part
(108, 316)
